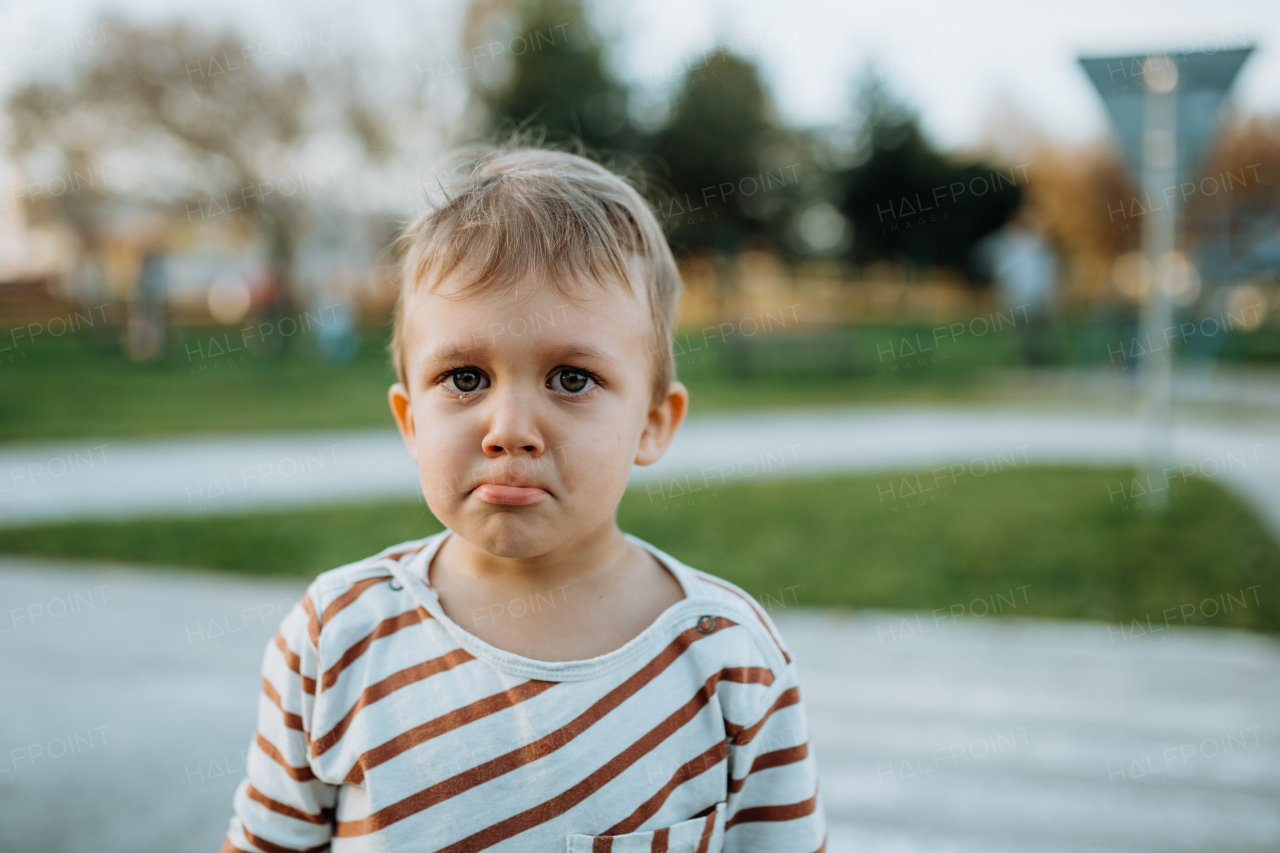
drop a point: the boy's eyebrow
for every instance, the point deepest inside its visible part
(585, 351)
(456, 351)
(464, 352)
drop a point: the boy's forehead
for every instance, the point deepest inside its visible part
(536, 302)
(465, 284)
(593, 320)
(531, 304)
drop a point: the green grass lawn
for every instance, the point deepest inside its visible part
(1051, 539)
(81, 385)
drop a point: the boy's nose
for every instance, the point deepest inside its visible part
(499, 449)
(512, 431)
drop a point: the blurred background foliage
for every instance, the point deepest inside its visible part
(721, 127)
(218, 197)
(236, 150)
(241, 219)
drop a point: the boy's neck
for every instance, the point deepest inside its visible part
(601, 591)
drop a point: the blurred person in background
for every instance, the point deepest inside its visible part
(1025, 268)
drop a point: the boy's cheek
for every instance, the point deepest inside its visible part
(441, 467)
(595, 467)
(434, 436)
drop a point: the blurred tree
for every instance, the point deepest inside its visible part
(1232, 219)
(731, 167)
(549, 73)
(188, 118)
(910, 204)
(542, 66)
(1071, 191)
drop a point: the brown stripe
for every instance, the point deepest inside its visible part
(295, 663)
(271, 847)
(291, 660)
(299, 774)
(754, 607)
(777, 758)
(761, 814)
(527, 754)
(788, 697)
(352, 593)
(313, 621)
(291, 719)
(660, 840)
(561, 803)
(385, 628)
(445, 723)
(228, 847)
(707, 832)
(383, 689)
(650, 807)
(823, 847)
(399, 555)
(286, 810)
(601, 844)
(747, 675)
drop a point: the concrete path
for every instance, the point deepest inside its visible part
(129, 698)
(194, 476)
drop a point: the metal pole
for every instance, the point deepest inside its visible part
(1159, 239)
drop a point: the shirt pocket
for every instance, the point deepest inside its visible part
(698, 835)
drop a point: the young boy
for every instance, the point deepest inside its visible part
(532, 678)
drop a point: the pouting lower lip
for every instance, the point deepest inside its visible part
(496, 493)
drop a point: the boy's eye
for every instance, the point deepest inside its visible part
(465, 380)
(571, 381)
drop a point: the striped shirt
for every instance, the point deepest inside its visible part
(384, 726)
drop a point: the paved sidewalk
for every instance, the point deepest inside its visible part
(130, 695)
(119, 478)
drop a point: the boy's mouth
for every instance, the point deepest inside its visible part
(509, 495)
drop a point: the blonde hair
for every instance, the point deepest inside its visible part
(511, 213)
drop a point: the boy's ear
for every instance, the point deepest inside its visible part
(398, 396)
(663, 421)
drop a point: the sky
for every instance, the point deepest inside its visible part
(957, 64)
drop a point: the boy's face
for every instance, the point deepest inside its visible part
(525, 411)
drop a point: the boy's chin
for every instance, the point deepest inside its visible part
(514, 535)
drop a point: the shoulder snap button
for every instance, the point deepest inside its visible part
(706, 624)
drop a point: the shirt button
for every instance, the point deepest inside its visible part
(706, 624)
